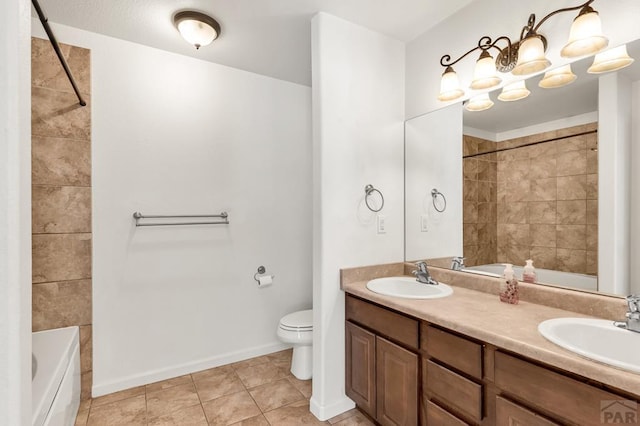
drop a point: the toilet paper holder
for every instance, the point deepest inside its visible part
(261, 270)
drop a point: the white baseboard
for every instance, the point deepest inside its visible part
(328, 411)
(147, 377)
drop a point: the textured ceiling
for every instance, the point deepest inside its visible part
(269, 37)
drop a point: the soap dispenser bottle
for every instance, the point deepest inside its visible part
(509, 286)
(529, 272)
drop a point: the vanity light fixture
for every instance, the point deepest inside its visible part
(450, 86)
(527, 54)
(196, 28)
(611, 60)
(558, 77)
(479, 103)
(514, 92)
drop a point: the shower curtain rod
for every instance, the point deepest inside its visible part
(56, 47)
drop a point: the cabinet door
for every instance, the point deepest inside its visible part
(397, 387)
(361, 368)
(511, 414)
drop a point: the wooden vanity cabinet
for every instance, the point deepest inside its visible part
(382, 376)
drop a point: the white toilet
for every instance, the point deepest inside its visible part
(297, 329)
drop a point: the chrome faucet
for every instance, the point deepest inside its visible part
(422, 274)
(633, 315)
(457, 263)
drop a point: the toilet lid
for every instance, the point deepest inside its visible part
(301, 320)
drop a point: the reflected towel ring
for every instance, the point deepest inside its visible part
(368, 190)
(434, 196)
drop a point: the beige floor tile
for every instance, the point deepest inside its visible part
(162, 402)
(230, 409)
(343, 416)
(260, 374)
(293, 415)
(282, 355)
(117, 396)
(275, 395)
(211, 372)
(253, 421)
(250, 362)
(82, 417)
(304, 386)
(217, 384)
(169, 383)
(126, 412)
(190, 416)
(358, 420)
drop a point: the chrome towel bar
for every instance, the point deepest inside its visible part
(224, 216)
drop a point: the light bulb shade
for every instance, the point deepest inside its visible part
(485, 74)
(514, 92)
(450, 86)
(558, 77)
(531, 56)
(611, 60)
(479, 103)
(585, 37)
(197, 28)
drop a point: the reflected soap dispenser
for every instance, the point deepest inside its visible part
(529, 272)
(509, 286)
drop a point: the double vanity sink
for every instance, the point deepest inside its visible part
(596, 339)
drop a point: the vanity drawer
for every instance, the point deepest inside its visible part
(455, 351)
(383, 321)
(438, 416)
(552, 392)
(453, 390)
(510, 414)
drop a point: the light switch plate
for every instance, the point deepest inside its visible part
(380, 219)
(424, 223)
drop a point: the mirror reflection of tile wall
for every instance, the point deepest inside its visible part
(535, 198)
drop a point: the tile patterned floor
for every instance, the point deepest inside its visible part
(256, 392)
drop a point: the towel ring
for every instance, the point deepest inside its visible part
(434, 196)
(368, 190)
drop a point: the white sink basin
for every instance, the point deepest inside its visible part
(599, 340)
(408, 288)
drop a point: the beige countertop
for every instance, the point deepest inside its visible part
(514, 328)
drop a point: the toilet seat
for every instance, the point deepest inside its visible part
(298, 321)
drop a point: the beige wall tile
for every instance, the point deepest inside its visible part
(543, 189)
(469, 145)
(572, 260)
(592, 263)
(514, 254)
(592, 187)
(515, 212)
(470, 254)
(592, 161)
(572, 187)
(544, 257)
(542, 212)
(513, 234)
(86, 347)
(515, 170)
(517, 190)
(573, 212)
(487, 213)
(487, 171)
(592, 237)
(58, 114)
(61, 209)
(59, 161)
(571, 236)
(571, 163)
(61, 257)
(592, 212)
(543, 235)
(592, 138)
(47, 72)
(470, 168)
(487, 234)
(470, 190)
(470, 234)
(547, 150)
(487, 192)
(61, 304)
(470, 212)
(575, 143)
(542, 167)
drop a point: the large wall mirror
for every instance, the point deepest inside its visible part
(530, 179)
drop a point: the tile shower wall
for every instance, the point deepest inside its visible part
(546, 201)
(61, 196)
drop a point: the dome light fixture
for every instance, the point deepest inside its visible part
(558, 77)
(450, 89)
(196, 28)
(611, 60)
(479, 103)
(514, 92)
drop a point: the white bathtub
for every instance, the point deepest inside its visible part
(55, 388)
(545, 276)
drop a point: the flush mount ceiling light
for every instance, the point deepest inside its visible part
(527, 54)
(558, 77)
(196, 27)
(611, 60)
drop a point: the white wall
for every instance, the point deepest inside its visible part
(634, 237)
(614, 174)
(15, 213)
(461, 32)
(433, 159)
(358, 110)
(172, 135)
